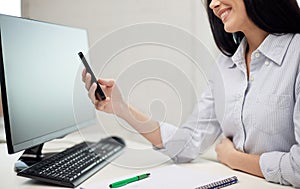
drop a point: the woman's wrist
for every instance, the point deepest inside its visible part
(140, 122)
(130, 114)
(248, 163)
(123, 110)
(234, 159)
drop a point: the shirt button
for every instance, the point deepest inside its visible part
(267, 63)
(257, 54)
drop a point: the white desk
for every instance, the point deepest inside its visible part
(9, 180)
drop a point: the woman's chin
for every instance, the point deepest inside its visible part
(229, 29)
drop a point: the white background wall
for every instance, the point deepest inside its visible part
(102, 16)
(10, 7)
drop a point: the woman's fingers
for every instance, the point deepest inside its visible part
(100, 105)
(107, 83)
(91, 93)
(83, 75)
(88, 79)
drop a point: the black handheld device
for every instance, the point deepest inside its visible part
(98, 93)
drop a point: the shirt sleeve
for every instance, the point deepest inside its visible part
(284, 167)
(201, 129)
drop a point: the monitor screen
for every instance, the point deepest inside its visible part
(42, 92)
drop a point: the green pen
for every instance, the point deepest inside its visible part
(129, 180)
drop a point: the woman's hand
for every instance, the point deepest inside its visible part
(225, 151)
(228, 155)
(113, 103)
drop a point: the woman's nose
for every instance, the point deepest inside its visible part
(214, 4)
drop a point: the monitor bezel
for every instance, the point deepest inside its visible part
(10, 146)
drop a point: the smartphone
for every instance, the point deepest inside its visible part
(98, 93)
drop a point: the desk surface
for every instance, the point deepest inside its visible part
(10, 180)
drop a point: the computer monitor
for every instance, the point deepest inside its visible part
(42, 93)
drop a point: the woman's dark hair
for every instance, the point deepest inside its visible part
(272, 16)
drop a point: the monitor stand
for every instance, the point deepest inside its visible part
(30, 156)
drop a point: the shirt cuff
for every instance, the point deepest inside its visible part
(270, 166)
(166, 131)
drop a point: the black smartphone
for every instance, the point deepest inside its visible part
(98, 93)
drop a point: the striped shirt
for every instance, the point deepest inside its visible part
(260, 114)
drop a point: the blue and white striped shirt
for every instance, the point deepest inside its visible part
(261, 114)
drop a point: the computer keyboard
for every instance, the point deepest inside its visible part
(74, 165)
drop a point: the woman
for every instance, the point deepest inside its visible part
(260, 67)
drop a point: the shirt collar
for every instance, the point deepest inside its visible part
(239, 55)
(273, 47)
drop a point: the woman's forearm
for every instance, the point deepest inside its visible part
(248, 163)
(143, 124)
